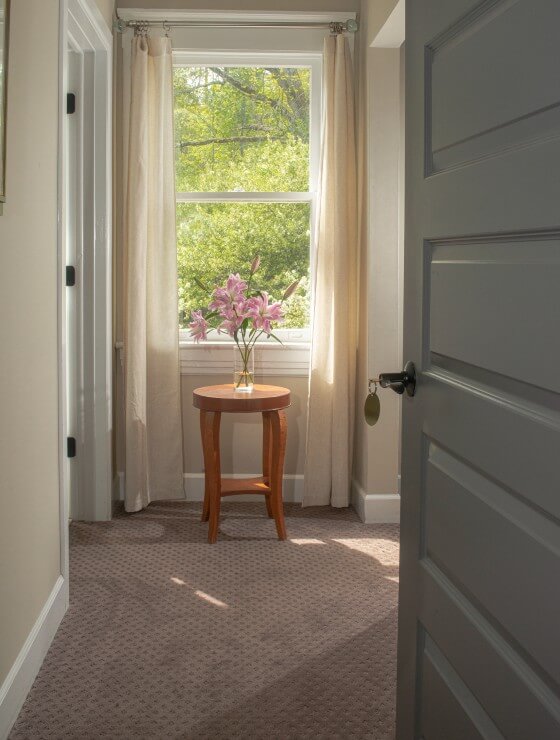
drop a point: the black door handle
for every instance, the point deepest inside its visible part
(399, 382)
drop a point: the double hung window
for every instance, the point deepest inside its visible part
(247, 151)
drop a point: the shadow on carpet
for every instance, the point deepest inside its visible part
(169, 637)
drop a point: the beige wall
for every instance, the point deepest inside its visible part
(375, 13)
(29, 519)
(380, 124)
(384, 340)
(107, 8)
(360, 435)
(278, 5)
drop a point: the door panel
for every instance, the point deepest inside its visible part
(521, 98)
(523, 706)
(480, 556)
(492, 423)
(463, 508)
(449, 709)
(475, 291)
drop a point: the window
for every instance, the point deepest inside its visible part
(246, 138)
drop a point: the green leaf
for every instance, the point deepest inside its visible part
(201, 284)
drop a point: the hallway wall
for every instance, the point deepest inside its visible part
(107, 8)
(256, 5)
(380, 137)
(29, 524)
(375, 13)
(30, 549)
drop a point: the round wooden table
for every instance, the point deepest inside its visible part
(270, 401)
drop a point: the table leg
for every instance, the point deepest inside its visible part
(266, 458)
(210, 433)
(278, 428)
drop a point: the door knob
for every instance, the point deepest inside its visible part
(399, 382)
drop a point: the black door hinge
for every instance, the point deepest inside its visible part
(70, 276)
(71, 446)
(70, 103)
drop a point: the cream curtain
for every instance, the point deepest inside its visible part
(328, 465)
(154, 458)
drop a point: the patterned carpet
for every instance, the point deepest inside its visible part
(169, 637)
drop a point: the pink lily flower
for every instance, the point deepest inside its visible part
(230, 296)
(230, 326)
(264, 313)
(198, 326)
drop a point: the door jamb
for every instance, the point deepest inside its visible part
(82, 20)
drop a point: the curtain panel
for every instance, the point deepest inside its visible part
(154, 444)
(330, 424)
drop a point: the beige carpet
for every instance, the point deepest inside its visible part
(169, 637)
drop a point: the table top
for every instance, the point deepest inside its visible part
(226, 398)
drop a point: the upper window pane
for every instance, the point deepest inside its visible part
(242, 129)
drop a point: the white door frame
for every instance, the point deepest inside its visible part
(83, 28)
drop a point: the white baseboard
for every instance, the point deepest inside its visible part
(19, 680)
(292, 491)
(371, 508)
(193, 485)
(376, 508)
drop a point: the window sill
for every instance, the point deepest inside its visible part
(216, 358)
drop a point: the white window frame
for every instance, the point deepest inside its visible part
(292, 357)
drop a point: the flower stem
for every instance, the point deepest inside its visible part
(245, 353)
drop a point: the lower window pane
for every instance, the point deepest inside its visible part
(215, 239)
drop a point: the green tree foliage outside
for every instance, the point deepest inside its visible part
(242, 129)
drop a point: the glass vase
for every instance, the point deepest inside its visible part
(243, 369)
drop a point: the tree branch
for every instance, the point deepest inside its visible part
(264, 127)
(292, 87)
(230, 140)
(245, 89)
(188, 88)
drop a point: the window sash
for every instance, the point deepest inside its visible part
(311, 60)
(287, 336)
(294, 336)
(245, 197)
(290, 337)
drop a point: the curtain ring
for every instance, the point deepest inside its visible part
(166, 27)
(141, 28)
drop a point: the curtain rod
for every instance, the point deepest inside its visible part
(350, 26)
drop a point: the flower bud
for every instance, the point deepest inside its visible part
(290, 290)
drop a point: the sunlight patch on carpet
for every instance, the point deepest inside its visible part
(210, 599)
(384, 551)
(306, 541)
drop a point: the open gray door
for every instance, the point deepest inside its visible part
(479, 619)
